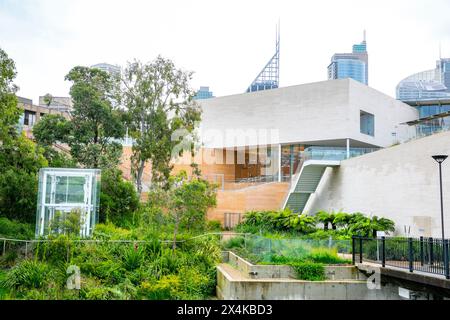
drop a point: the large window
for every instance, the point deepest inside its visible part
(30, 118)
(367, 123)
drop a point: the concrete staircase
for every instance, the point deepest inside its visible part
(305, 183)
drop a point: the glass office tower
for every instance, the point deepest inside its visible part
(353, 65)
(426, 85)
(203, 93)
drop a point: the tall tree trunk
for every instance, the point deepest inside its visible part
(139, 175)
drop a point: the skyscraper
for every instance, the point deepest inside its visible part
(269, 77)
(353, 65)
(111, 69)
(425, 85)
(203, 93)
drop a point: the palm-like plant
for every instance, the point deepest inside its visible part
(327, 219)
(302, 223)
(342, 219)
(381, 224)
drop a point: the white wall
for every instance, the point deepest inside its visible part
(400, 183)
(327, 110)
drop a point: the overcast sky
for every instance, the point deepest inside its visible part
(226, 43)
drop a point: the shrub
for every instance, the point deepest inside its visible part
(325, 256)
(15, 229)
(58, 249)
(118, 199)
(18, 194)
(284, 220)
(195, 283)
(109, 231)
(28, 274)
(235, 242)
(168, 287)
(309, 271)
(133, 258)
(100, 293)
(9, 258)
(214, 225)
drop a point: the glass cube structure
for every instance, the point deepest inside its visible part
(63, 192)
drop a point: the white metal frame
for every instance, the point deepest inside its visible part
(87, 208)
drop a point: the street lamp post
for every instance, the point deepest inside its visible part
(439, 159)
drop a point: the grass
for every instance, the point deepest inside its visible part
(3, 291)
(309, 271)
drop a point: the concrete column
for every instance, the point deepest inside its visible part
(348, 148)
(279, 162)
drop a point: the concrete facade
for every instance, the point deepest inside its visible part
(400, 183)
(237, 279)
(322, 113)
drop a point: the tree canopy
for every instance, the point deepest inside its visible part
(158, 102)
(9, 112)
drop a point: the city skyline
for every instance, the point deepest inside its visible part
(230, 53)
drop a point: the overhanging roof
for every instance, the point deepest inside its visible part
(436, 116)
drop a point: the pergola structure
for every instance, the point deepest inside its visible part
(62, 191)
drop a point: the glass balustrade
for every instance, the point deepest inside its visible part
(334, 153)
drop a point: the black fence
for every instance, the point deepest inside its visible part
(414, 254)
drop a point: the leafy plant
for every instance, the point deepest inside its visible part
(168, 287)
(27, 274)
(325, 256)
(118, 199)
(133, 257)
(16, 229)
(309, 271)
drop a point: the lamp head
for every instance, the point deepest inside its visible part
(440, 158)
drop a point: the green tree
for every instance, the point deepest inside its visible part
(118, 199)
(50, 133)
(342, 219)
(189, 202)
(20, 160)
(9, 112)
(95, 122)
(159, 103)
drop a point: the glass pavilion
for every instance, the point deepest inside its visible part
(64, 191)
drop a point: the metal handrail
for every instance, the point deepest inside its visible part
(414, 254)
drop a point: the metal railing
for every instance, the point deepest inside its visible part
(25, 248)
(427, 255)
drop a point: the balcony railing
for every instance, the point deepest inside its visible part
(334, 153)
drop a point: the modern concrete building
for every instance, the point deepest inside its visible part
(400, 183)
(270, 149)
(332, 145)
